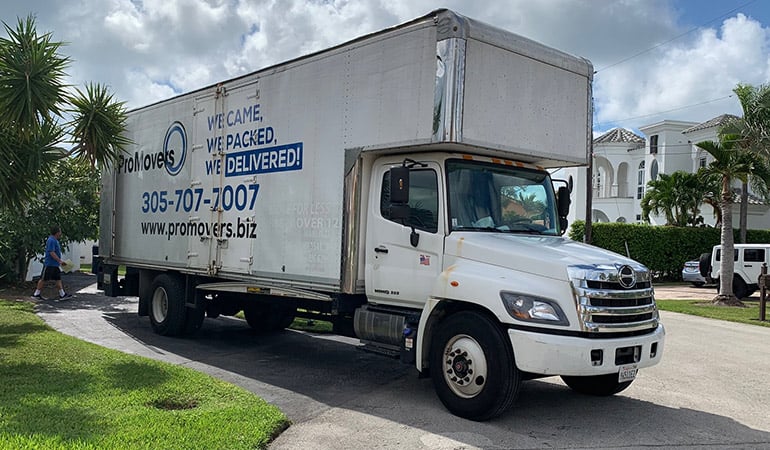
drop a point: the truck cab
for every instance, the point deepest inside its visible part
(469, 239)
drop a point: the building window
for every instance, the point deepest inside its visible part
(702, 162)
(598, 184)
(654, 144)
(638, 217)
(654, 170)
(640, 182)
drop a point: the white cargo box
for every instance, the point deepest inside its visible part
(245, 179)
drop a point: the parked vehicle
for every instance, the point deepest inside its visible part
(691, 274)
(396, 186)
(748, 260)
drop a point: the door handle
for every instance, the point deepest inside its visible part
(381, 249)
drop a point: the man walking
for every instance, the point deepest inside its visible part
(52, 265)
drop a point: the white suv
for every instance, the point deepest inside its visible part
(748, 266)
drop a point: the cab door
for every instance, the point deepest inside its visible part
(398, 272)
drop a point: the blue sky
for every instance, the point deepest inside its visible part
(698, 13)
(148, 50)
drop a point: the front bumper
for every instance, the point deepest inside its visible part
(548, 354)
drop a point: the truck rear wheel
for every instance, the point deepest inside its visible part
(473, 367)
(599, 385)
(265, 318)
(167, 306)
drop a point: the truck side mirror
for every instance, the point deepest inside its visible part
(562, 206)
(399, 185)
(399, 211)
(563, 201)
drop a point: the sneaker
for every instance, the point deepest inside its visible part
(38, 296)
(64, 297)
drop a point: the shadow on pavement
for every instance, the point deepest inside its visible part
(306, 375)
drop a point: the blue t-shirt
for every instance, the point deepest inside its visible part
(52, 245)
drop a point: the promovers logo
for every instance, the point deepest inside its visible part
(172, 157)
(175, 148)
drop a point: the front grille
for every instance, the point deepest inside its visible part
(622, 319)
(622, 302)
(612, 285)
(605, 307)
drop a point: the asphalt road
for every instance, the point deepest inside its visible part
(710, 391)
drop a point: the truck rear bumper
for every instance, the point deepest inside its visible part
(548, 354)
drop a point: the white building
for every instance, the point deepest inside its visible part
(624, 162)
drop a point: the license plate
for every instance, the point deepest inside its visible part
(627, 373)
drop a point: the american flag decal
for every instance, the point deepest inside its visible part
(424, 260)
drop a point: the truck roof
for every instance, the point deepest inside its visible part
(456, 25)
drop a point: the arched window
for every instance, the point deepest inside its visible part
(654, 170)
(640, 182)
(598, 183)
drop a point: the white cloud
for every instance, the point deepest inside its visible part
(684, 74)
(147, 50)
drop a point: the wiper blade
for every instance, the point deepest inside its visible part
(496, 230)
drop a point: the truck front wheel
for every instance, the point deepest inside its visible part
(473, 367)
(167, 306)
(599, 385)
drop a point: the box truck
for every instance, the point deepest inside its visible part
(397, 186)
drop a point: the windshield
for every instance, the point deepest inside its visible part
(501, 198)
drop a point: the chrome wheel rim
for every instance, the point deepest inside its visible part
(464, 366)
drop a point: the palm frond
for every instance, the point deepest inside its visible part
(98, 125)
(33, 74)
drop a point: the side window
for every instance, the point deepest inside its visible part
(423, 199)
(754, 255)
(719, 255)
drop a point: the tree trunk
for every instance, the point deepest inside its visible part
(726, 262)
(744, 213)
(20, 265)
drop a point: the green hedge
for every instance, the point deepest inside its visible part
(664, 250)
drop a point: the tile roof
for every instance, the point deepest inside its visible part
(619, 135)
(715, 122)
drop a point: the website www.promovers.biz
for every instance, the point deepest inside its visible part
(240, 229)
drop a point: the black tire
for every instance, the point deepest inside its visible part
(698, 283)
(468, 342)
(264, 318)
(739, 287)
(167, 306)
(704, 265)
(598, 385)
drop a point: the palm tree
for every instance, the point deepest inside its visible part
(678, 196)
(711, 185)
(731, 163)
(33, 101)
(31, 90)
(752, 132)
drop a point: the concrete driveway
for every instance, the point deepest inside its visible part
(710, 391)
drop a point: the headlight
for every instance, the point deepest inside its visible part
(533, 309)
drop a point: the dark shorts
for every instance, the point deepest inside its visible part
(51, 273)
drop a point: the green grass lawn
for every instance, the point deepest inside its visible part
(57, 392)
(704, 308)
